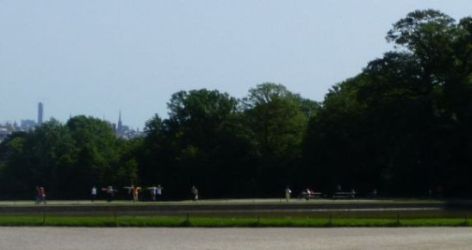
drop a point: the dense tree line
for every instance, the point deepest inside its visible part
(402, 126)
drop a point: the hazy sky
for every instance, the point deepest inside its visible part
(97, 57)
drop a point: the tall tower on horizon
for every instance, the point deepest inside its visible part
(40, 113)
(119, 128)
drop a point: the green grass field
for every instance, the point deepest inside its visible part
(204, 221)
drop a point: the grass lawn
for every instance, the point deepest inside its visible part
(229, 221)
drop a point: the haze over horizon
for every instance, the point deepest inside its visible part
(97, 58)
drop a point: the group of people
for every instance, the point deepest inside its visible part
(155, 191)
(110, 191)
(309, 193)
(306, 193)
(134, 191)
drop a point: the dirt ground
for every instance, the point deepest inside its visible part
(28, 238)
(231, 206)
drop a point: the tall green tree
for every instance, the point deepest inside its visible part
(277, 119)
(97, 153)
(199, 144)
(43, 157)
(400, 124)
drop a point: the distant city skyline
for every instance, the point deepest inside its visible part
(40, 119)
(26, 125)
(98, 58)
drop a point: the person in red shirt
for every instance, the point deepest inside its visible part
(135, 191)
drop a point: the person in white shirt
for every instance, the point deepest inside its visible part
(93, 193)
(153, 191)
(194, 191)
(288, 192)
(159, 190)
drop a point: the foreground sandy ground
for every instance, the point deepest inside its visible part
(26, 238)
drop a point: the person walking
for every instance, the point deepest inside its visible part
(38, 195)
(93, 193)
(194, 191)
(110, 193)
(153, 191)
(288, 192)
(42, 194)
(308, 194)
(159, 189)
(135, 192)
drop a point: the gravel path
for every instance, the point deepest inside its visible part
(26, 238)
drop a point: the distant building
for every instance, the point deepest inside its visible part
(7, 129)
(119, 129)
(27, 125)
(40, 113)
(4, 133)
(123, 131)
